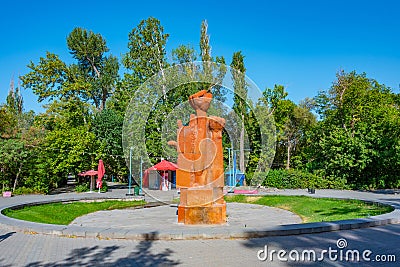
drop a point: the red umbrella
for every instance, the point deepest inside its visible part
(90, 173)
(100, 174)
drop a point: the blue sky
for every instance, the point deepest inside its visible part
(300, 44)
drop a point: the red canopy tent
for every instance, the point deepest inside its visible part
(163, 165)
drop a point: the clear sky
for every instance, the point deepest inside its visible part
(300, 44)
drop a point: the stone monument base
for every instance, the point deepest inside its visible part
(202, 206)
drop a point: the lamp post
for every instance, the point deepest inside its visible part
(234, 167)
(130, 173)
(229, 163)
(141, 175)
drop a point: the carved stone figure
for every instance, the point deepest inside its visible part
(200, 176)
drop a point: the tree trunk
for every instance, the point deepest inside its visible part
(103, 100)
(289, 147)
(16, 177)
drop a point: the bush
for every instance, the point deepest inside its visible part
(82, 188)
(294, 179)
(104, 187)
(26, 191)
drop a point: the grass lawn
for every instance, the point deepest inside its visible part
(65, 213)
(316, 209)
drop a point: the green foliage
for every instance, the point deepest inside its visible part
(47, 78)
(27, 190)
(62, 115)
(104, 187)
(146, 55)
(292, 123)
(92, 79)
(240, 106)
(70, 150)
(13, 120)
(294, 179)
(183, 54)
(107, 127)
(358, 139)
(13, 157)
(82, 188)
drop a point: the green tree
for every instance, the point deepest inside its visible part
(11, 113)
(107, 127)
(91, 79)
(214, 73)
(13, 157)
(184, 54)
(240, 105)
(70, 150)
(100, 71)
(292, 123)
(147, 54)
(15, 145)
(357, 139)
(205, 50)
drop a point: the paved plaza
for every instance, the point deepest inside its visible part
(33, 248)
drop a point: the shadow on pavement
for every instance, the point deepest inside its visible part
(5, 236)
(62, 190)
(142, 255)
(4, 265)
(382, 191)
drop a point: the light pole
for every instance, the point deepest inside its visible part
(234, 163)
(229, 163)
(130, 173)
(141, 175)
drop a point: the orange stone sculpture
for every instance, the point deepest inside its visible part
(200, 176)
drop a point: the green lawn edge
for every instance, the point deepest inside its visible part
(63, 213)
(312, 209)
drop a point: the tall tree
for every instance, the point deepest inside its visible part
(291, 122)
(11, 112)
(14, 144)
(240, 97)
(100, 71)
(213, 70)
(92, 79)
(147, 54)
(205, 50)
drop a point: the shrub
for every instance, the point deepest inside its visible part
(104, 187)
(82, 188)
(294, 179)
(26, 191)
